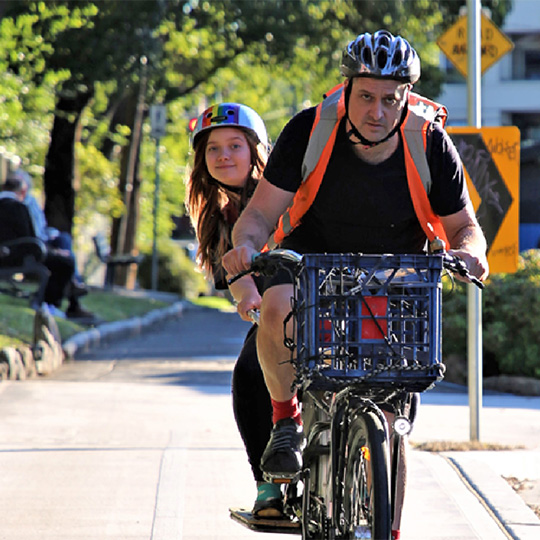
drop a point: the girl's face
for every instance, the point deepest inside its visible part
(228, 156)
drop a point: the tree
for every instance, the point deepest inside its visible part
(107, 60)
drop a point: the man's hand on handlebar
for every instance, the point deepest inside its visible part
(238, 259)
(476, 266)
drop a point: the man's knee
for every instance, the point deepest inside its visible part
(276, 306)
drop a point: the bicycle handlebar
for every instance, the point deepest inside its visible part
(267, 262)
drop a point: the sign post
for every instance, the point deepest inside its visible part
(158, 123)
(474, 294)
(473, 44)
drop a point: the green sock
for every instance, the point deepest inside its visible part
(267, 491)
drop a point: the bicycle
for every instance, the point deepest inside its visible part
(367, 334)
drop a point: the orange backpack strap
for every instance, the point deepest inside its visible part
(420, 115)
(316, 158)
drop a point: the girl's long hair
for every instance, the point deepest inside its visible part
(212, 208)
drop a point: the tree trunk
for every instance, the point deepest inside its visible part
(60, 161)
(124, 229)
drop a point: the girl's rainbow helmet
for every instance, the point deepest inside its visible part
(231, 115)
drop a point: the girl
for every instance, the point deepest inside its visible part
(230, 146)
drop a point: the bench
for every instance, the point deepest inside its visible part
(103, 251)
(23, 256)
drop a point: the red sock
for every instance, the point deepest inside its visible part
(395, 535)
(286, 409)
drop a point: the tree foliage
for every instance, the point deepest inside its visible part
(77, 71)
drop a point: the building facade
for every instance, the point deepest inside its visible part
(510, 96)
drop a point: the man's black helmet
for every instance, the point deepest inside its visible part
(382, 56)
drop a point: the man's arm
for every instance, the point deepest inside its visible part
(467, 240)
(255, 225)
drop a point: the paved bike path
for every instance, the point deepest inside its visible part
(203, 469)
(462, 495)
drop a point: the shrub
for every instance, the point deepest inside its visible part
(510, 320)
(177, 273)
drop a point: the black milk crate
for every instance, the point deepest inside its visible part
(369, 320)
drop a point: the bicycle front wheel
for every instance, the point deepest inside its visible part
(366, 497)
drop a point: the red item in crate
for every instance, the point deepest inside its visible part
(371, 328)
(325, 330)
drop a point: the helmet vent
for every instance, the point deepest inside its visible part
(367, 56)
(382, 58)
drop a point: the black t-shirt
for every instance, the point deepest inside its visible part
(363, 208)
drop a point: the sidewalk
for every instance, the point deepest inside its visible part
(449, 494)
(505, 420)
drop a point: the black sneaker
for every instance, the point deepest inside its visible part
(81, 315)
(282, 458)
(77, 289)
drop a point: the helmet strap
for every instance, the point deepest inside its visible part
(354, 131)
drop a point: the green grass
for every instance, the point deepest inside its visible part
(16, 321)
(17, 318)
(214, 302)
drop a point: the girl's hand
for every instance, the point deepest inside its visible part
(246, 304)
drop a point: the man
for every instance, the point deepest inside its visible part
(369, 170)
(15, 222)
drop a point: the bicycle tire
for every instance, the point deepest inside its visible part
(366, 497)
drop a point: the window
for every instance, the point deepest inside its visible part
(528, 124)
(532, 65)
(526, 57)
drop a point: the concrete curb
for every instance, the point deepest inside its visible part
(103, 333)
(507, 508)
(22, 362)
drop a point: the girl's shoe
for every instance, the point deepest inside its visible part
(269, 502)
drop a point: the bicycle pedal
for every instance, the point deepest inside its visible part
(273, 478)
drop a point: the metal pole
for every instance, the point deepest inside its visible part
(154, 240)
(474, 294)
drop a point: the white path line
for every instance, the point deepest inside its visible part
(169, 510)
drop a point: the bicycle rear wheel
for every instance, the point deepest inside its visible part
(366, 497)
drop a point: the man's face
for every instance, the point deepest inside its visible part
(376, 105)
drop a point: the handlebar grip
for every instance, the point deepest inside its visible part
(458, 266)
(267, 262)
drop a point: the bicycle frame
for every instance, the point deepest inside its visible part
(367, 331)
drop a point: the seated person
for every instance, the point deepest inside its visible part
(51, 236)
(15, 222)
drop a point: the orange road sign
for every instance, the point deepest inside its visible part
(494, 44)
(490, 156)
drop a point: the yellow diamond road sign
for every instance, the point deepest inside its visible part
(490, 157)
(494, 44)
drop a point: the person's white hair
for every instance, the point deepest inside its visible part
(21, 174)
